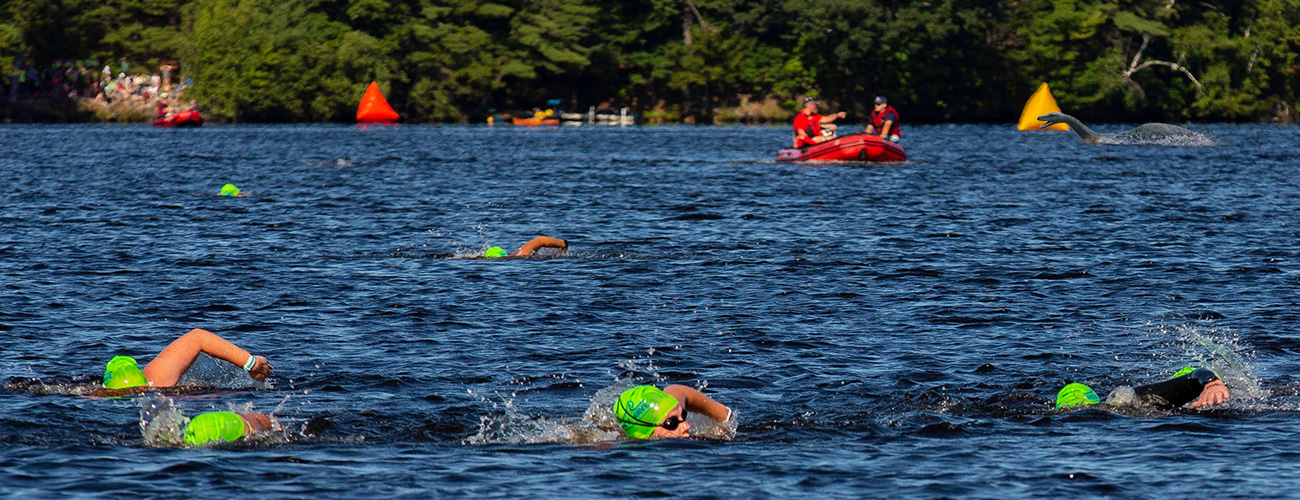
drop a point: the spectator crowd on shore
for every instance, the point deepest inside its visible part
(98, 86)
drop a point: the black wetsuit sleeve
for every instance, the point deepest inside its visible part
(1176, 391)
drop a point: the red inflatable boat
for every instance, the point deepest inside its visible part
(856, 147)
(182, 119)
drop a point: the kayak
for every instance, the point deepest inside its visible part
(856, 147)
(182, 119)
(534, 121)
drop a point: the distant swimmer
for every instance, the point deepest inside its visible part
(533, 245)
(646, 411)
(226, 427)
(1198, 386)
(165, 370)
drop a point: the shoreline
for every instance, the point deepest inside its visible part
(62, 110)
(90, 110)
(849, 123)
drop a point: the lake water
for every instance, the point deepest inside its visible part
(893, 331)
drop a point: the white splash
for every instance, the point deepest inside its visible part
(509, 425)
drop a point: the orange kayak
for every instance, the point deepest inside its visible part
(535, 121)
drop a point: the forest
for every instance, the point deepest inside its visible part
(692, 61)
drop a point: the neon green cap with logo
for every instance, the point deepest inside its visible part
(1184, 371)
(229, 190)
(494, 253)
(641, 408)
(1074, 395)
(122, 372)
(216, 426)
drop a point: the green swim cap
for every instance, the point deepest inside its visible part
(1074, 395)
(494, 253)
(1184, 371)
(229, 190)
(641, 408)
(216, 426)
(122, 372)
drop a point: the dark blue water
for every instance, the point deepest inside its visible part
(888, 331)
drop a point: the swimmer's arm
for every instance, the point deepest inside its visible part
(1214, 393)
(540, 242)
(697, 402)
(166, 369)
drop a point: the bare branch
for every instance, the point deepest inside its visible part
(1173, 66)
(704, 24)
(1132, 67)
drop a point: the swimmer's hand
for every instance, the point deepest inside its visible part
(261, 369)
(257, 422)
(1213, 393)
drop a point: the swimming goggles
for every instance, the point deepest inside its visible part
(670, 423)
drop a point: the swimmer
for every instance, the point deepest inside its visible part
(533, 245)
(165, 370)
(226, 426)
(1198, 386)
(645, 411)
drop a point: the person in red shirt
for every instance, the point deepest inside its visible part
(808, 124)
(884, 121)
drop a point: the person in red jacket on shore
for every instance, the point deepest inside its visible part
(884, 121)
(808, 124)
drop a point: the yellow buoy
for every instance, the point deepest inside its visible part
(1039, 104)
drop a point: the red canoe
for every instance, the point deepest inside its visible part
(856, 147)
(182, 119)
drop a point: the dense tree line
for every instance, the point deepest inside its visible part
(449, 60)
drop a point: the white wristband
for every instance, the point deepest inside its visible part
(252, 360)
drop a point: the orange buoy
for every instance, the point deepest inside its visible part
(374, 108)
(1039, 104)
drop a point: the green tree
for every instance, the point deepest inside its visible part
(11, 46)
(448, 60)
(265, 60)
(461, 54)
